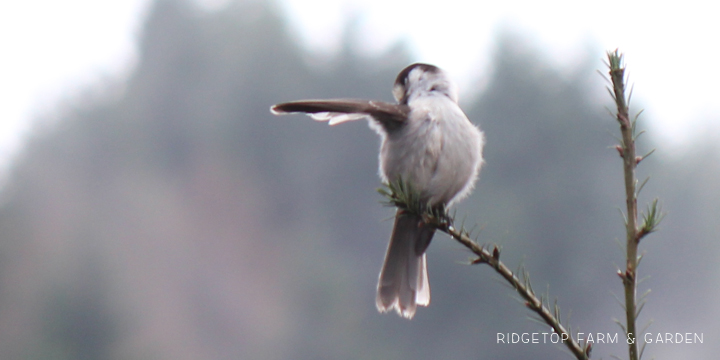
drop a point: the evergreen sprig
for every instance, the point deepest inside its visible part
(651, 218)
(402, 195)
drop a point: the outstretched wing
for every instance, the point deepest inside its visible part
(337, 111)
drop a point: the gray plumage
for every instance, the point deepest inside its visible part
(427, 141)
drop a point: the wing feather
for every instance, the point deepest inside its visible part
(338, 111)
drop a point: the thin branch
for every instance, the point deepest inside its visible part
(523, 287)
(627, 129)
(397, 196)
(635, 230)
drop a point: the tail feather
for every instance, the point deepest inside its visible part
(403, 282)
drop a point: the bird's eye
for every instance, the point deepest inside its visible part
(434, 88)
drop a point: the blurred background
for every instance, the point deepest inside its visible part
(152, 208)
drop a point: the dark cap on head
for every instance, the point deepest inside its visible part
(400, 90)
(403, 75)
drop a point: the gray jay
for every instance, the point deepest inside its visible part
(428, 142)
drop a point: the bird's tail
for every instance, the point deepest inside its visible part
(403, 282)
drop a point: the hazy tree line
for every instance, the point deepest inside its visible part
(175, 218)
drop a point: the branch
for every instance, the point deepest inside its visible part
(403, 196)
(651, 218)
(627, 144)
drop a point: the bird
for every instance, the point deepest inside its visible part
(428, 142)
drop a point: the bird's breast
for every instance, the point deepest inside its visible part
(438, 151)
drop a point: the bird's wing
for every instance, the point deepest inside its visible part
(337, 111)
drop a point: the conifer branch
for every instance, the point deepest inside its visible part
(653, 215)
(401, 195)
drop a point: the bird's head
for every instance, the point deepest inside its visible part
(423, 80)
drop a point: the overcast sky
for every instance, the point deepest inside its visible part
(51, 49)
